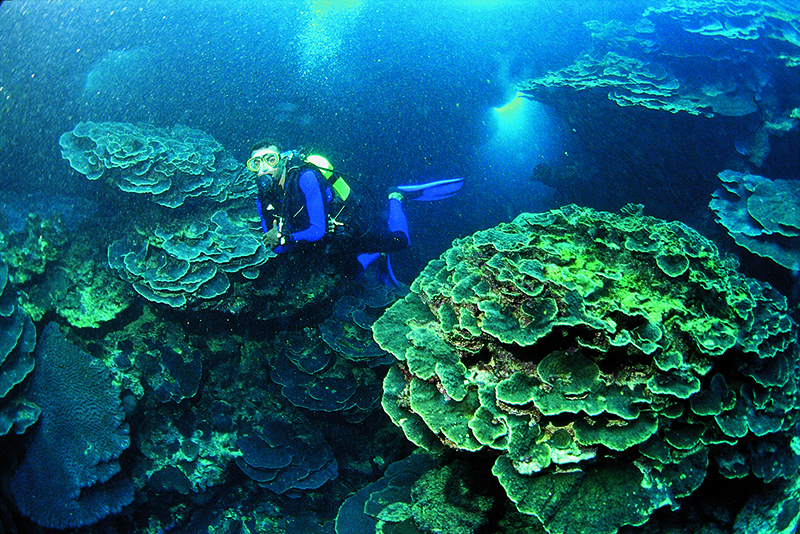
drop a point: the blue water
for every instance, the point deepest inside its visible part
(398, 93)
(394, 92)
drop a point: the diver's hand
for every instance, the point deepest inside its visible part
(272, 238)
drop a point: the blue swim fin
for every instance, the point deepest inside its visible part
(366, 259)
(432, 190)
(385, 273)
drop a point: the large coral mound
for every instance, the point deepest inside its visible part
(609, 361)
(187, 254)
(171, 164)
(653, 62)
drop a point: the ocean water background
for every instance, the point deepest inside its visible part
(391, 92)
(394, 92)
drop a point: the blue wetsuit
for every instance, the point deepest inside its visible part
(301, 208)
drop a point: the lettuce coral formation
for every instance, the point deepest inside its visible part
(654, 63)
(171, 164)
(280, 460)
(17, 341)
(191, 257)
(761, 215)
(189, 260)
(609, 361)
(329, 368)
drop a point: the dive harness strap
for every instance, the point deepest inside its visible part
(339, 186)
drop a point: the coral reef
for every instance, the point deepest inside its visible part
(279, 459)
(70, 474)
(27, 252)
(186, 441)
(184, 250)
(761, 215)
(172, 375)
(609, 361)
(185, 254)
(313, 376)
(387, 500)
(171, 164)
(329, 368)
(444, 500)
(299, 286)
(745, 50)
(415, 496)
(188, 260)
(630, 81)
(17, 341)
(79, 286)
(348, 330)
(645, 65)
(181, 454)
(56, 268)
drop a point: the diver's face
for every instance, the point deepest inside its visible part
(266, 161)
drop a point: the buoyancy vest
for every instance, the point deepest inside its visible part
(287, 204)
(346, 217)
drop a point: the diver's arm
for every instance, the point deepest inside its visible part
(270, 233)
(260, 209)
(317, 223)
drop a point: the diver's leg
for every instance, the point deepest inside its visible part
(396, 238)
(393, 235)
(396, 220)
(398, 228)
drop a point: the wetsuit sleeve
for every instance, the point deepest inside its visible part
(315, 206)
(261, 214)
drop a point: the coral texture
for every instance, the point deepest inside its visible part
(741, 47)
(283, 462)
(315, 377)
(329, 368)
(184, 254)
(608, 360)
(56, 267)
(348, 331)
(171, 164)
(70, 474)
(17, 341)
(189, 261)
(387, 500)
(761, 215)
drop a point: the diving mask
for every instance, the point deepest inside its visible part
(270, 159)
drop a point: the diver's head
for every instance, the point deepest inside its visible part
(265, 160)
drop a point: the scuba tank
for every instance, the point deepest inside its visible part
(347, 215)
(335, 180)
(340, 208)
(294, 160)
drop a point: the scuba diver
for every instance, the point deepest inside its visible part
(302, 200)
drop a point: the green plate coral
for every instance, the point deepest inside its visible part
(609, 361)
